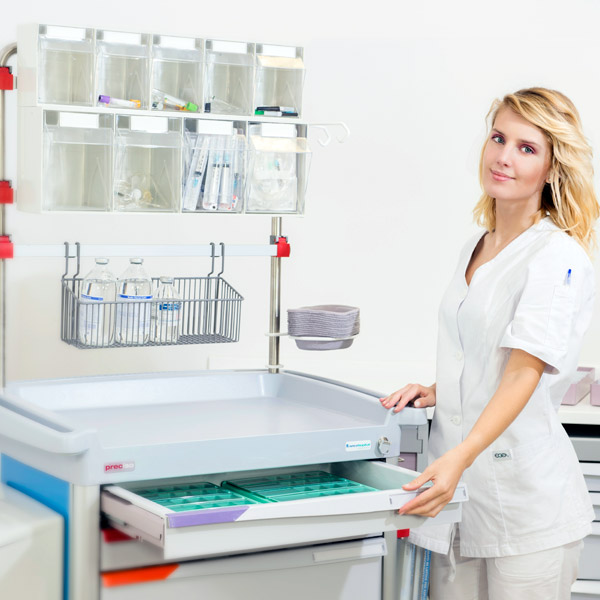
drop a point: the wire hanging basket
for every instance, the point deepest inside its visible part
(208, 311)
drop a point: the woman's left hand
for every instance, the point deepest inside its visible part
(445, 473)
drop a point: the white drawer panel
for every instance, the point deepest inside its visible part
(344, 571)
(595, 497)
(589, 562)
(591, 472)
(585, 590)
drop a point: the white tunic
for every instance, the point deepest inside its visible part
(526, 491)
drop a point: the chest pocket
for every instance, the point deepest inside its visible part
(560, 317)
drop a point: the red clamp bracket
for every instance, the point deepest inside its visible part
(283, 248)
(403, 533)
(6, 247)
(7, 81)
(6, 192)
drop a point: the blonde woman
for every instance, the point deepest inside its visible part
(510, 332)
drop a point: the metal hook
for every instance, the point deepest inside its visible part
(323, 141)
(222, 259)
(78, 246)
(212, 255)
(339, 138)
(68, 257)
(66, 261)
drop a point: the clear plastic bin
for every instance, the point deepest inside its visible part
(176, 73)
(77, 169)
(279, 161)
(279, 80)
(228, 80)
(66, 58)
(122, 66)
(147, 164)
(214, 166)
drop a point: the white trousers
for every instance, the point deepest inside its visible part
(544, 575)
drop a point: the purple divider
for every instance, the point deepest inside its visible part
(206, 516)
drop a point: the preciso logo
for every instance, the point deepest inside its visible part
(119, 467)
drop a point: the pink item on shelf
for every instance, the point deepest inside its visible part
(595, 393)
(582, 387)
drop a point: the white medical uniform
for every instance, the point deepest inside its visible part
(526, 491)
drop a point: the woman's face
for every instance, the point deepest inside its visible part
(516, 161)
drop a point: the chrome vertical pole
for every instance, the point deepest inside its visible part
(5, 54)
(275, 303)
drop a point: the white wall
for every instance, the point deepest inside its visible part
(387, 211)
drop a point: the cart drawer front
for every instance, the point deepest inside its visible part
(245, 526)
(345, 571)
(591, 472)
(590, 555)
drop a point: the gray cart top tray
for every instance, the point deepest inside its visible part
(109, 429)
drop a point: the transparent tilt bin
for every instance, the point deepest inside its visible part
(122, 67)
(66, 58)
(77, 163)
(279, 161)
(214, 166)
(228, 80)
(176, 73)
(279, 80)
(147, 174)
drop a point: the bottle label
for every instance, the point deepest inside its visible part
(133, 316)
(169, 306)
(92, 298)
(126, 297)
(166, 328)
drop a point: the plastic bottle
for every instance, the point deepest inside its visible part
(96, 319)
(166, 313)
(134, 305)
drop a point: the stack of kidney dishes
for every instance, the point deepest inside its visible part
(335, 323)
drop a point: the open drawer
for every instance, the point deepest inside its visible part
(249, 523)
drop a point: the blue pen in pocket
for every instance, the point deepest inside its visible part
(568, 278)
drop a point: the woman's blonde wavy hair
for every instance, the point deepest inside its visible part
(569, 198)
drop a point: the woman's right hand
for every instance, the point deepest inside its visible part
(421, 394)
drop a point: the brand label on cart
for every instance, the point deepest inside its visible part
(119, 467)
(359, 445)
(502, 455)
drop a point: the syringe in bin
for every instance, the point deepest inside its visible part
(161, 101)
(118, 102)
(215, 174)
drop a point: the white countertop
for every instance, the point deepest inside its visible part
(582, 413)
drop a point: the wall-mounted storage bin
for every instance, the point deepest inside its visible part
(122, 66)
(147, 173)
(65, 70)
(77, 172)
(214, 166)
(279, 80)
(176, 73)
(278, 165)
(228, 79)
(148, 169)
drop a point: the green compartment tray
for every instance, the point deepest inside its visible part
(295, 486)
(196, 496)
